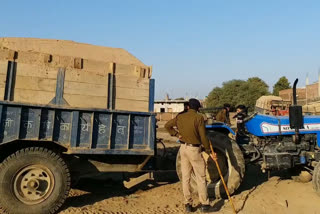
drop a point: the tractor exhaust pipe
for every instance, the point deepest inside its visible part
(295, 114)
(295, 92)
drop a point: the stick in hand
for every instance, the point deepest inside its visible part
(213, 155)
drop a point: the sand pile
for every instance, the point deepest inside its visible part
(72, 49)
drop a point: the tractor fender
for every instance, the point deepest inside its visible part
(220, 127)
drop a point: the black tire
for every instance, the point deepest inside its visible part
(33, 180)
(316, 178)
(231, 162)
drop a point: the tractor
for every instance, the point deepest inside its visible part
(272, 142)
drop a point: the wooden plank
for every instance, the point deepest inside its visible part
(83, 76)
(131, 82)
(35, 83)
(4, 54)
(63, 61)
(30, 57)
(86, 89)
(149, 71)
(127, 70)
(98, 67)
(24, 69)
(131, 105)
(3, 78)
(41, 59)
(130, 93)
(85, 101)
(3, 67)
(2, 91)
(31, 96)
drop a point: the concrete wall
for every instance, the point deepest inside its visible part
(312, 91)
(169, 107)
(165, 116)
(287, 94)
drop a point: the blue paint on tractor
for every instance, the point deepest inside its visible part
(266, 125)
(220, 126)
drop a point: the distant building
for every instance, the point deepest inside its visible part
(312, 92)
(172, 106)
(309, 93)
(304, 95)
(287, 94)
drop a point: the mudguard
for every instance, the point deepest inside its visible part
(220, 126)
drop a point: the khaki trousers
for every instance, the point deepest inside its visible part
(192, 161)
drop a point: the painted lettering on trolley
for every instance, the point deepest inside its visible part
(27, 124)
(85, 127)
(8, 122)
(102, 129)
(65, 126)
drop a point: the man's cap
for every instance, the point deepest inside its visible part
(194, 104)
(226, 105)
(242, 107)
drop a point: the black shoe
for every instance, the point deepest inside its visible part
(188, 208)
(205, 208)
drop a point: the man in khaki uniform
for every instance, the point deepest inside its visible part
(223, 114)
(192, 134)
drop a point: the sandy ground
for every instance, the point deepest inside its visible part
(273, 196)
(257, 194)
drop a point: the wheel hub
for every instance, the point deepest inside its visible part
(33, 184)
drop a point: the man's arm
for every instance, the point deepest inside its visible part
(204, 140)
(170, 127)
(221, 116)
(236, 115)
(203, 136)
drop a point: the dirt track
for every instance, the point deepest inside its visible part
(273, 196)
(256, 195)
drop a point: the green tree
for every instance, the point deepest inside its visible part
(179, 98)
(282, 84)
(253, 89)
(236, 92)
(213, 98)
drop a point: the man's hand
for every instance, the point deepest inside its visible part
(214, 156)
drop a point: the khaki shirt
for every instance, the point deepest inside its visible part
(223, 117)
(190, 126)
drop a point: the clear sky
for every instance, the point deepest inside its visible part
(193, 46)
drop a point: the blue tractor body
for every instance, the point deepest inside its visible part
(279, 142)
(270, 142)
(266, 125)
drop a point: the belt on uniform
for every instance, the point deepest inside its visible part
(190, 144)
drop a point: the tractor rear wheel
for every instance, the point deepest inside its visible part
(316, 178)
(231, 162)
